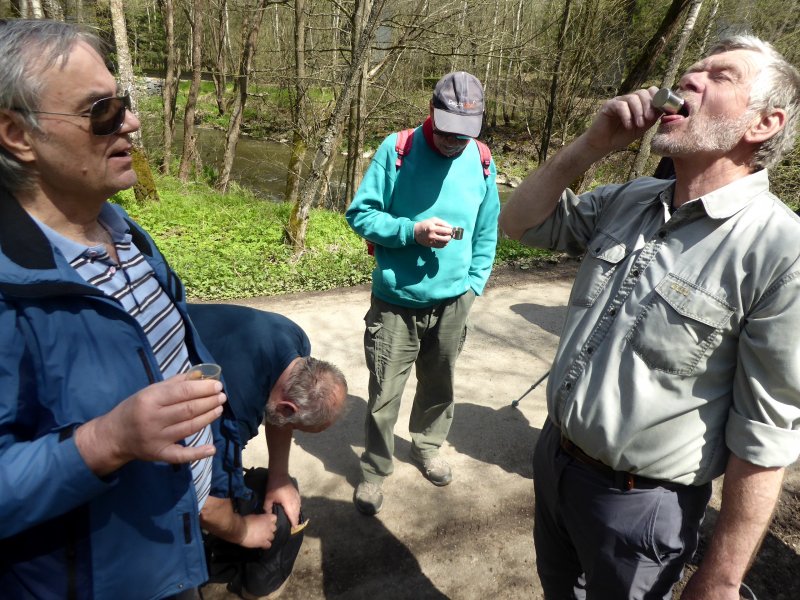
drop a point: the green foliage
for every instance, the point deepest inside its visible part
(232, 246)
(512, 252)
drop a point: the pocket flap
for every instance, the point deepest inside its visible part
(606, 248)
(693, 302)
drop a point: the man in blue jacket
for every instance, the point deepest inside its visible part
(108, 451)
(432, 217)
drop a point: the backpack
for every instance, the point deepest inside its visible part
(405, 139)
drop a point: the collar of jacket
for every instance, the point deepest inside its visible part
(38, 272)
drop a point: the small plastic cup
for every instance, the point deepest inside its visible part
(205, 371)
(457, 233)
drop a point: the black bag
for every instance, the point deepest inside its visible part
(254, 572)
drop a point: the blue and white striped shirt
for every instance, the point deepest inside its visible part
(133, 284)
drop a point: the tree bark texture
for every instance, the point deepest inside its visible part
(299, 107)
(237, 111)
(145, 188)
(653, 49)
(640, 163)
(298, 221)
(189, 156)
(171, 79)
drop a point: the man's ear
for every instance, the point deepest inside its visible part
(287, 408)
(15, 137)
(766, 126)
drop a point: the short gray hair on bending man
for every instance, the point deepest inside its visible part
(776, 86)
(27, 49)
(311, 386)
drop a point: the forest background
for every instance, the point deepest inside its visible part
(329, 79)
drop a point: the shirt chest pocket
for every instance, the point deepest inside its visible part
(679, 326)
(601, 261)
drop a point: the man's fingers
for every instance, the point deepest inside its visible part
(177, 454)
(178, 428)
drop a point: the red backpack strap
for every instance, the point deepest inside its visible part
(403, 145)
(486, 156)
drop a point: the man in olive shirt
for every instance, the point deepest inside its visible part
(679, 358)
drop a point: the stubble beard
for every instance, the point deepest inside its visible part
(704, 134)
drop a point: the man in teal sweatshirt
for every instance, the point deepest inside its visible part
(429, 205)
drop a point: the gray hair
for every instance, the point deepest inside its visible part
(777, 85)
(312, 386)
(29, 48)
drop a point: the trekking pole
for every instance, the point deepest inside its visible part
(515, 403)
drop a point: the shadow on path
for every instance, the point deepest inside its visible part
(548, 318)
(368, 562)
(501, 437)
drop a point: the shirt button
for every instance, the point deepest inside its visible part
(112, 270)
(635, 273)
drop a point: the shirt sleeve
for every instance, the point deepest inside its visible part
(369, 213)
(572, 223)
(763, 425)
(484, 238)
(44, 476)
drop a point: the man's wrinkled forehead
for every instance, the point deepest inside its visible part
(739, 65)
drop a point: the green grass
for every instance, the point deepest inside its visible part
(231, 246)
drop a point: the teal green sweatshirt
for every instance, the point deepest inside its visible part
(428, 184)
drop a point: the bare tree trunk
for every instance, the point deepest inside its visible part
(53, 10)
(674, 63)
(171, 81)
(514, 52)
(35, 7)
(245, 66)
(219, 70)
(355, 135)
(711, 22)
(79, 16)
(299, 109)
(298, 221)
(551, 106)
(189, 156)
(650, 53)
(145, 188)
(486, 86)
(458, 37)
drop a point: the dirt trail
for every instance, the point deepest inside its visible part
(471, 539)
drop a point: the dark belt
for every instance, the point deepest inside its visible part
(620, 479)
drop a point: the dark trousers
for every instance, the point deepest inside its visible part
(254, 572)
(597, 542)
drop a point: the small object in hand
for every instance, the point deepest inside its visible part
(205, 371)
(298, 528)
(670, 103)
(457, 233)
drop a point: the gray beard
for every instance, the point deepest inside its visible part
(706, 134)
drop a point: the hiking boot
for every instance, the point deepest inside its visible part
(435, 469)
(368, 498)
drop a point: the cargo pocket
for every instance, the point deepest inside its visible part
(598, 265)
(678, 327)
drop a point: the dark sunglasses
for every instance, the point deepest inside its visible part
(106, 115)
(450, 136)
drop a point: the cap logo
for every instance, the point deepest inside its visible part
(468, 104)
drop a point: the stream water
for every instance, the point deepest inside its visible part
(259, 165)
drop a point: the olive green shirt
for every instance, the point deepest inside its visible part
(682, 339)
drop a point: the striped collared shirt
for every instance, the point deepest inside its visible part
(133, 284)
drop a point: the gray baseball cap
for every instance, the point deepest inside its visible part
(458, 104)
